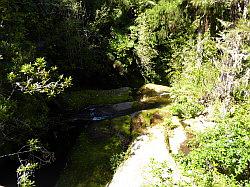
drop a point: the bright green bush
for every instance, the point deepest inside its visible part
(219, 156)
(211, 3)
(194, 77)
(162, 174)
(225, 148)
(186, 108)
(194, 71)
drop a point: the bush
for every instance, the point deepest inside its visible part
(146, 42)
(186, 108)
(194, 76)
(225, 148)
(38, 78)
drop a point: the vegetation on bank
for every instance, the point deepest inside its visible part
(199, 48)
(217, 86)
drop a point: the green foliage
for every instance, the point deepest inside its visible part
(122, 46)
(6, 109)
(143, 41)
(35, 78)
(25, 174)
(211, 3)
(162, 174)
(194, 77)
(194, 67)
(117, 159)
(156, 29)
(186, 107)
(208, 13)
(219, 156)
(233, 65)
(224, 149)
(38, 118)
(38, 155)
(159, 30)
(34, 144)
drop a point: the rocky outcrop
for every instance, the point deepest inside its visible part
(155, 135)
(135, 171)
(151, 90)
(199, 124)
(184, 130)
(153, 93)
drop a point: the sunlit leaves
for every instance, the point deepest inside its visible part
(38, 78)
(210, 3)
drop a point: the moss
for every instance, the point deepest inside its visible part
(160, 100)
(90, 158)
(146, 118)
(90, 162)
(122, 124)
(137, 105)
(76, 100)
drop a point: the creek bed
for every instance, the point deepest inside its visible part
(100, 132)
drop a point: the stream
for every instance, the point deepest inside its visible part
(48, 175)
(84, 122)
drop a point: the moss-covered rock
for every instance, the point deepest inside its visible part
(90, 162)
(154, 95)
(90, 158)
(151, 90)
(146, 118)
(122, 124)
(76, 100)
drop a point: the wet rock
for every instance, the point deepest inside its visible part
(120, 107)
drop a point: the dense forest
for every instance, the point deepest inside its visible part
(55, 54)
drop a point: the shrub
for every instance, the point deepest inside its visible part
(225, 148)
(38, 78)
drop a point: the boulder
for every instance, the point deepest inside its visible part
(150, 90)
(153, 93)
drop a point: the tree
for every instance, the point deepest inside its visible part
(35, 78)
(234, 64)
